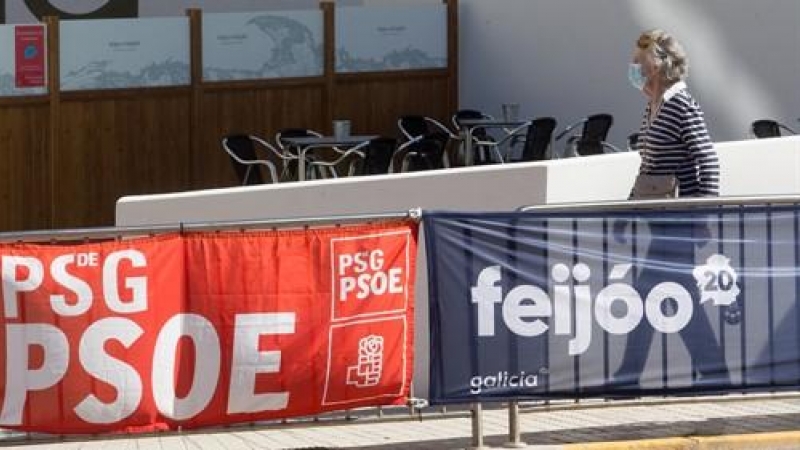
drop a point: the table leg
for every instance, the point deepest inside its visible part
(469, 157)
(301, 163)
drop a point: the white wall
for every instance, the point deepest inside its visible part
(747, 168)
(569, 58)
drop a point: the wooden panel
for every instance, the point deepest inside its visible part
(66, 158)
(329, 58)
(24, 167)
(260, 111)
(375, 103)
(452, 53)
(111, 147)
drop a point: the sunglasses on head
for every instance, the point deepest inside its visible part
(646, 42)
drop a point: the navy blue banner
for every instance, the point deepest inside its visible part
(569, 305)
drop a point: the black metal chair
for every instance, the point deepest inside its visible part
(592, 138)
(538, 138)
(484, 142)
(247, 164)
(633, 142)
(344, 163)
(767, 128)
(290, 169)
(535, 136)
(293, 133)
(424, 146)
(462, 114)
(378, 156)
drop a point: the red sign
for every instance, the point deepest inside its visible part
(205, 329)
(30, 56)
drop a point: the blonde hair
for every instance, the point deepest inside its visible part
(672, 60)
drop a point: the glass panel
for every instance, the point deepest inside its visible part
(386, 38)
(258, 45)
(124, 53)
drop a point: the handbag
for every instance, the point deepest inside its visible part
(649, 187)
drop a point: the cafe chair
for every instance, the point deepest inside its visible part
(290, 169)
(462, 114)
(591, 140)
(293, 133)
(412, 126)
(378, 156)
(424, 143)
(538, 137)
(483, 141)
(633, 142)
(767, 128)
(346, 164)
(413, 155)
(452, 155)
(241, 148)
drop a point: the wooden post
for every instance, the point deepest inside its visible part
(329, 63)
(196, 96)
(452, 55)
(54, 129)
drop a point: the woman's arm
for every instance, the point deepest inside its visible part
(701, 152)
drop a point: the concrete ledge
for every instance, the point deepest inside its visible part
(757, 441)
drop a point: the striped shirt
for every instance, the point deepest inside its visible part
(677, 143)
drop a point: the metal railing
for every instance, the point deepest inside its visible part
(95, 234)
(708, 204)
(98, 233)
(677, 203)
(514, 436)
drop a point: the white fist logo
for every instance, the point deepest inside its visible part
(370, 363)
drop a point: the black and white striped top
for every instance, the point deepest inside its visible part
(677, 142)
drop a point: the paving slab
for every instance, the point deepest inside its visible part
(728, 422)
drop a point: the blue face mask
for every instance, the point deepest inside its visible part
(636, 77)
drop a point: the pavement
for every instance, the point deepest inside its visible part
(768, 421)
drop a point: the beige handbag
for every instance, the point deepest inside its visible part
(651, 187)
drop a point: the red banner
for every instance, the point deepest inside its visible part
(205, 329)
(29, 56)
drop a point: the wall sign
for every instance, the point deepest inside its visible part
(22, 60)
(29, 56)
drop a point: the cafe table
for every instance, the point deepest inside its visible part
(302, 145)
(468, 127)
